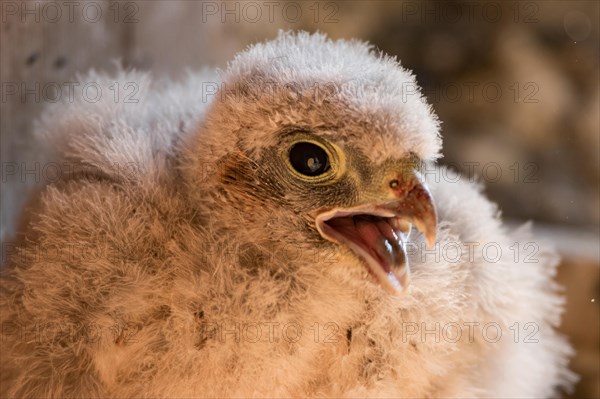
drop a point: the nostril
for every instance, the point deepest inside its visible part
(394, 183)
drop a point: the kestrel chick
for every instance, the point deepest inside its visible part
(278, 230)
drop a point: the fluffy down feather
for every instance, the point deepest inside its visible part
(143, 280)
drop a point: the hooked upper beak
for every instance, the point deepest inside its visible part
(378, 232)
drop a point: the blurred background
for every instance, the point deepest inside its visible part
(516, 84)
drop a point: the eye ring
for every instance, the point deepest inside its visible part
(311, 159)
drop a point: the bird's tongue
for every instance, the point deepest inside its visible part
(379, 245)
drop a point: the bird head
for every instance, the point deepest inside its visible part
(318, 145)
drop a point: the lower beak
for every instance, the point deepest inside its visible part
(377, 233)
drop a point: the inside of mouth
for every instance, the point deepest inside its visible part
(377, 237)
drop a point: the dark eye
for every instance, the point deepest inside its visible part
(309, 159)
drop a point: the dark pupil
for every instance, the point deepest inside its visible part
(309, 159)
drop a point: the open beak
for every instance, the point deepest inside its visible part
(378, 233)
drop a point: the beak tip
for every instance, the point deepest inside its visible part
(399, 285)
(430, 240)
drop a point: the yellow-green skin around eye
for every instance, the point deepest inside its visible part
(351, 180)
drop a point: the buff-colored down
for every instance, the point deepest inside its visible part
(178, 256)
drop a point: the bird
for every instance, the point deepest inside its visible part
(278, 228)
